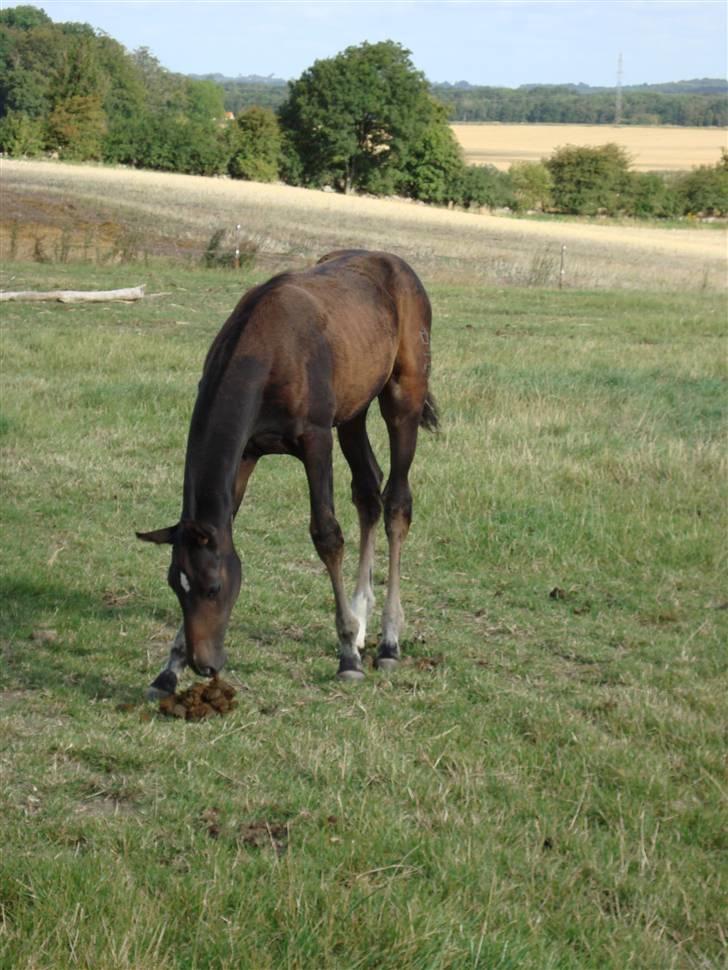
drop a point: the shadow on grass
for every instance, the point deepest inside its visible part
(53, 636)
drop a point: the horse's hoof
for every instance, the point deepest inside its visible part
(387, 657)
(350, 676)
(164, 685)
(349, 669)
(154, 694)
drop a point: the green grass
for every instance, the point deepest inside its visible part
(541, 785)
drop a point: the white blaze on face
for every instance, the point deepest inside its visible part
(184, 582)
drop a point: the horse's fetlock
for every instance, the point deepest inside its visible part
(347, 631)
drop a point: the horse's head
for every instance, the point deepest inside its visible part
(205, 574)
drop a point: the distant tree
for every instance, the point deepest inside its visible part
(352, 120)
(177, 127)
(79, 73)
(76, 127)
(164, 90)
(24, 17)
(588, 180)
(205, 101)
(241, 94)
(77, 122)
(206, 152)
(124, 101)
(201, 149)
(255, 146)
(434, 165)
(30, 56)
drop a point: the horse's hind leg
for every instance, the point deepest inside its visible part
(402, 410)
(366, 481)
(316, 448)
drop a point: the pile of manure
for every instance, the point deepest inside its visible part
(200, 700)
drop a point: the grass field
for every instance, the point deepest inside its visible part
(541, 785)
(652, 149)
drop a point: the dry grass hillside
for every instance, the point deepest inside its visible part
(60, 211)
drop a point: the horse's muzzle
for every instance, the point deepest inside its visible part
(207, 669)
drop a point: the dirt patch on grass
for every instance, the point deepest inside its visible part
(8, 697)
(105, 807)
(38, 225)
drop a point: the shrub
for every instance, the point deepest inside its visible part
(652, 196)
(226, 250)
(484, 185)
(589, 180)
(532, 185)
(704, 191)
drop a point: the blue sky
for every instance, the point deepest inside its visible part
(497, 42)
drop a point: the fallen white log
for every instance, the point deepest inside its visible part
(74, 296)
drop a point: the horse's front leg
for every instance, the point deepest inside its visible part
(316, 448)
(166, 680)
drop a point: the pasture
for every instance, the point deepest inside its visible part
(653, 149)
(542, 782)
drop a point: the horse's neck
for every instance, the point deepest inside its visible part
(222, 424)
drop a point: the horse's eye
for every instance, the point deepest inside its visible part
(213, 591)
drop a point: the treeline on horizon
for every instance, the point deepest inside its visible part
(551, 104)
(699, 103)
(365, 120)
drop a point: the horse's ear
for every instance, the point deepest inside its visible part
(201, 535)
(160, 536)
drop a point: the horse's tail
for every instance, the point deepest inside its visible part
(430, 419)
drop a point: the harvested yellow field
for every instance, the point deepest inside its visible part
(652, 149)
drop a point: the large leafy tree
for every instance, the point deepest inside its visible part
(434, 167)
(77, 122)
(31, 51)
(351, 121)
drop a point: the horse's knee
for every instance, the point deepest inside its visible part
(328, 540)
(368, 504)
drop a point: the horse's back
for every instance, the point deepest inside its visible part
(382, 325)
(331, 336)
